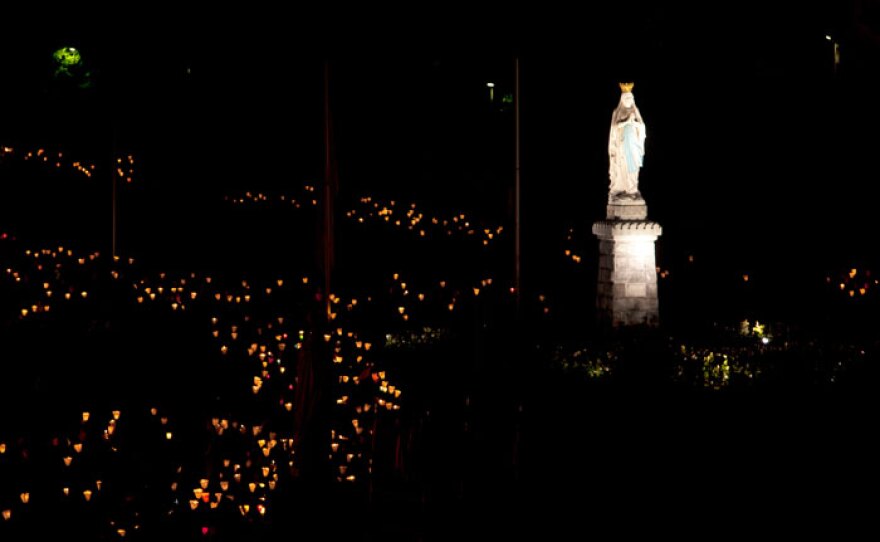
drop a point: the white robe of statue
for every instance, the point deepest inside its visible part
(626, 148)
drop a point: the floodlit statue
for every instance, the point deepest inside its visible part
(626, 147)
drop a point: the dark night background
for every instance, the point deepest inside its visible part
(759, 161)
(752, 136)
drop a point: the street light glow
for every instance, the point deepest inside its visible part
(490, 85)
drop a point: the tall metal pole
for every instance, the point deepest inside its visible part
(328, 192)
(113, 207)
(517, 235)
(114, 177)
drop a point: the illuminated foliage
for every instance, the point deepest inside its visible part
(69, 66)
(67, 57)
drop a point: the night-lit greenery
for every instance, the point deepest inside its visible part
(69, 66)
(67, 57)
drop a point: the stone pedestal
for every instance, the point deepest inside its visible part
(627, 288)
(627, 210)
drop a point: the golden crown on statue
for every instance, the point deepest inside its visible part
(626, 87)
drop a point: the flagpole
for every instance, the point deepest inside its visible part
(114, 174)
(328, 193)
(113, 181)
(517, 233)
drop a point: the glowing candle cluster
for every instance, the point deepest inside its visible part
(853, 283)
(57, 160)
(410, 218)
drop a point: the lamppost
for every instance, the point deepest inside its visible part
(491, 87)
(836, 51)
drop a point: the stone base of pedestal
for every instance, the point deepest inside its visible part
(626, 293)
(627, 210)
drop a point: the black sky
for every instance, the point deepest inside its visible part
(748, 125)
